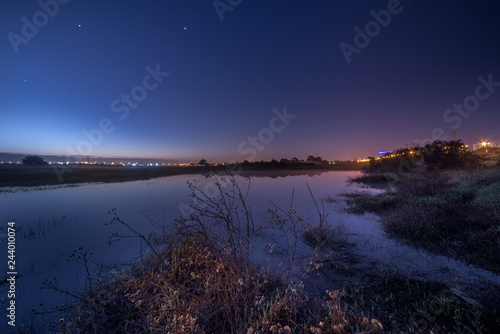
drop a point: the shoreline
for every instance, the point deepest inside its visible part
(36, 176)
(446, 212)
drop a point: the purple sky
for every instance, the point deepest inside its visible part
(356, 77)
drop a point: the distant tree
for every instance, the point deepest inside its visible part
(203, 162)
(283, 161)
(34, 160)
(439, 154)
(313, 158)
(449, 155)
(294, 159)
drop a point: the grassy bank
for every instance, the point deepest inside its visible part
(194, 286)
(402, 304)
(455, 213)
(441, 197)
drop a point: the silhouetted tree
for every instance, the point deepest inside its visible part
(439, 154)
(203, 162)
(313, 158)
(449, 155)
(34, 160)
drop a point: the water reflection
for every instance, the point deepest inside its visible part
(53, 222)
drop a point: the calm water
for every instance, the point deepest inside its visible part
(53, 222)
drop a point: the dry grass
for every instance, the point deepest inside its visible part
(199, 279)
(196, 288)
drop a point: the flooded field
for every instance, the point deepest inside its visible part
(53, 223)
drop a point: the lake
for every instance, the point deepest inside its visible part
(52, 222)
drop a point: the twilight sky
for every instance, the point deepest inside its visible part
(345, 78)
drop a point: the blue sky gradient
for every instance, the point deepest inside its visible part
(225, 77)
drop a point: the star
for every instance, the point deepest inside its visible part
(185, 28)
(79, 26)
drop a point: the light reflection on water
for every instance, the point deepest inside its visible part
(83, 211)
